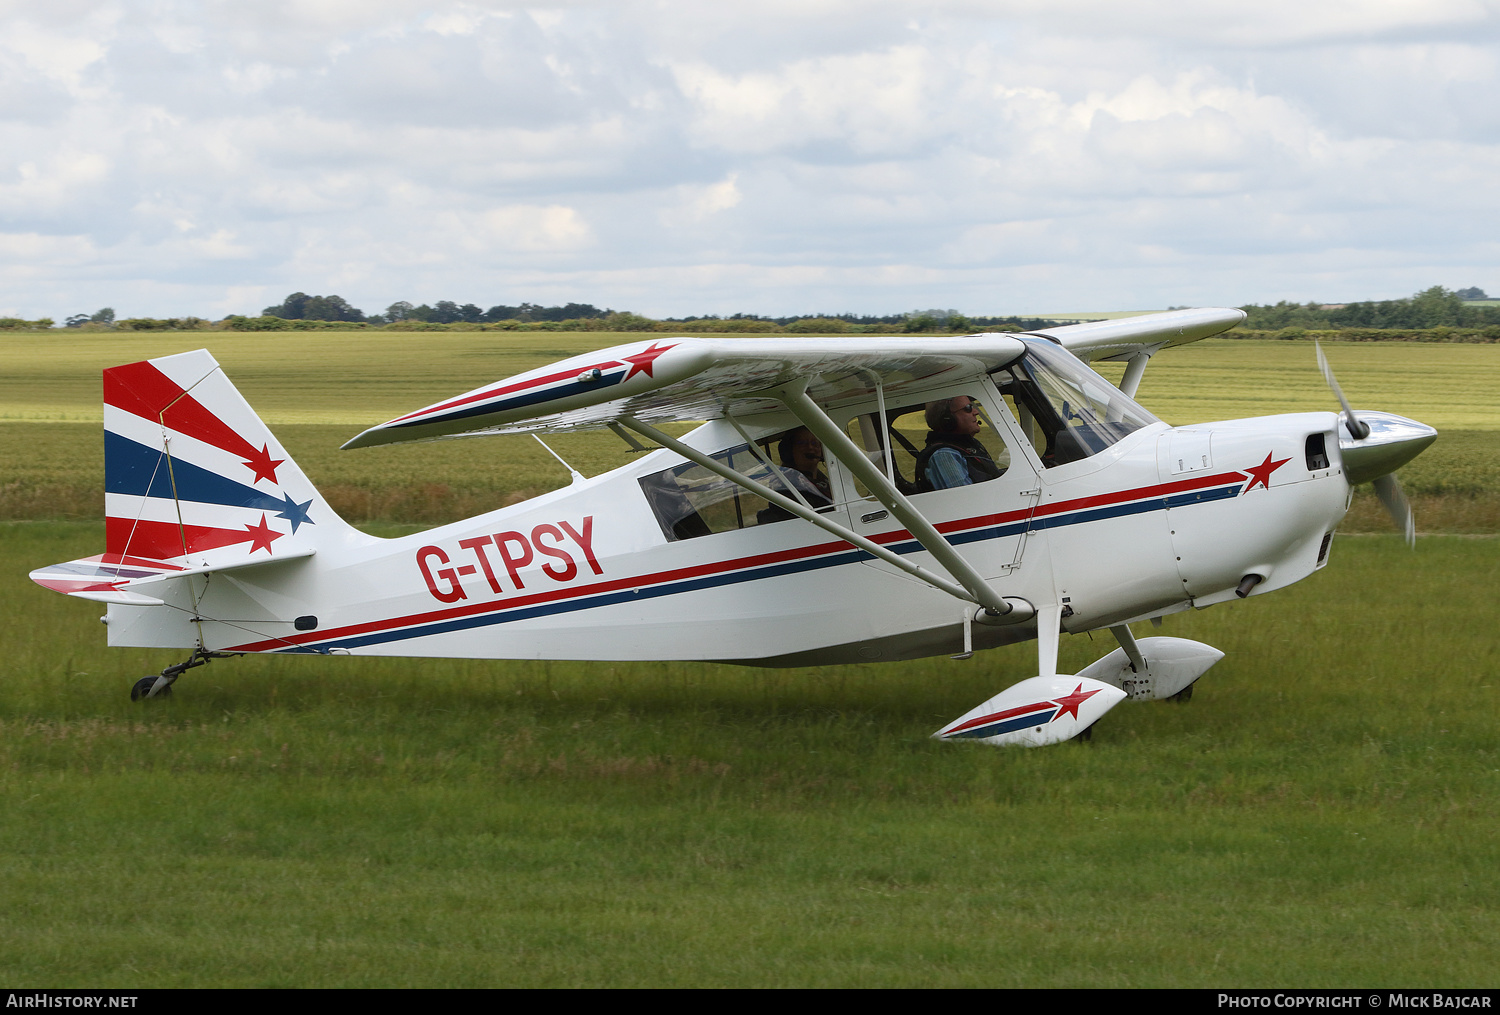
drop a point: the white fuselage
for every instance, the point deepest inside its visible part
(1162, 520)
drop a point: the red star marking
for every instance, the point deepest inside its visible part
(263, 465)
(641, 362)
(262, 535)
(1262, 473)
(1069, 703)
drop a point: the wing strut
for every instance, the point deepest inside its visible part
(1135, 367)
(800, 510)
(979, 591)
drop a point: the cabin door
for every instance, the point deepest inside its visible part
(985, 518)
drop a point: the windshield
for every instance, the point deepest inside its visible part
(1068, 410)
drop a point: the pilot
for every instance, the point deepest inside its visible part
(953, 455)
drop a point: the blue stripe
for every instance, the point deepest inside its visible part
(1020, 722)
(134, 469)
(753, 574)
(591, 602)
(1135, 508)
(139, 471)
(519, 401)
(97, 570)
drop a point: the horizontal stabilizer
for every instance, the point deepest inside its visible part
(113, 578)
(1036, 712)
(231, 564)
(119, 598)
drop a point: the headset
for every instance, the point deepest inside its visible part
(939, 415)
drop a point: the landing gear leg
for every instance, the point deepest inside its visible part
(160, 686)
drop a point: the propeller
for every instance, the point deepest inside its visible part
(1388, 489)
(1358, 430)
(1376, 446)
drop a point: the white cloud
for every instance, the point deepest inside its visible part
(535, 229)
(696, 203)
(1003, 155)
(26, 254)
(61, 56)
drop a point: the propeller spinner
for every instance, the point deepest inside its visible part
(1374, 445)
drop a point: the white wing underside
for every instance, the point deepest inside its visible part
(673, 379)
(1124, 338)
(665, 379)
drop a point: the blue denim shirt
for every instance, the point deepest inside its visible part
(947, 468)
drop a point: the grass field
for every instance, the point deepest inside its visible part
(355, 379)
(1323, 813)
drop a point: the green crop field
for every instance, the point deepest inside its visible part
(318, 389)
(1322, 813)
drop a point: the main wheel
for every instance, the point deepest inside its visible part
(1183, 696)
(143, 687)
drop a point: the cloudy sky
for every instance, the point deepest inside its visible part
(167, 157)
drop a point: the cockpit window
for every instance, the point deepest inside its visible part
(911, 437)
(689, 500)
(1067, 410)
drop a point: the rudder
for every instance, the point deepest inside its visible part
(193, 475)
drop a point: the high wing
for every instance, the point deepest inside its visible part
(1130, 336)
(1136, 339)
(669, 379)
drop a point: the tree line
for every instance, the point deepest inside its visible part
(1432, 308)
(1436, 307)
(300, 306)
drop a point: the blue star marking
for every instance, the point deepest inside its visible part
(295, 513)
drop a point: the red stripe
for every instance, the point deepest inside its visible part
(507, 389)
(1077, 504)
(997, 716)
(492, 606)
(165, 539)
(1143, 493)
(69, 585)
(142, 390)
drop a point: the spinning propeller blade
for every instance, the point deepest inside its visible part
(1358, 430)
(1372, 453)
(1388, 489)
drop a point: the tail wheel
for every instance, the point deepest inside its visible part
(143, 686)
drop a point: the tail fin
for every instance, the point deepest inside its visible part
(194, 478)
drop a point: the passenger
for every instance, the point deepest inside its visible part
(953, 455)
(801, 456)
(802, 451)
